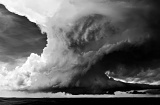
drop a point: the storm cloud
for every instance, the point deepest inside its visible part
(88, 42)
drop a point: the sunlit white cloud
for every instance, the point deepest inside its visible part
(37, 11)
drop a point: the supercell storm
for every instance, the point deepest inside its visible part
(88, 42)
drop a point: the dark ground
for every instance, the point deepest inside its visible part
(50, 101)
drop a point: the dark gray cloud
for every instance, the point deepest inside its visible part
(138, 63)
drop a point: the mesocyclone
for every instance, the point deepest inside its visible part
(79, 33)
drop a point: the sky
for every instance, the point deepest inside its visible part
(54, 44)
(19, 38)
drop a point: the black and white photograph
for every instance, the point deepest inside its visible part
(75, 51)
